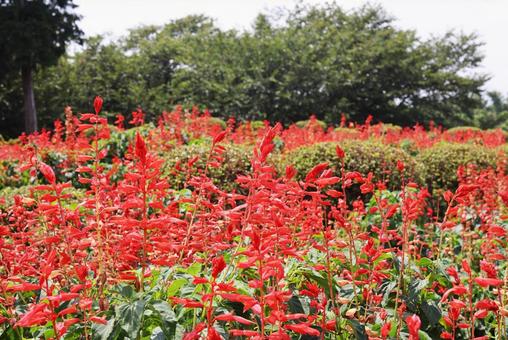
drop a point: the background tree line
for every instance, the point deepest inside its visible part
(317, 60)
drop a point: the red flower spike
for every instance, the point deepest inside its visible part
(97, 104)
(218, 265)
(140, 148)
(47, 172)
(340, 153)
(219, 137)
(290, 172)
(400, 166)
(413, 324)
(302, 328)
(486, 282)
(96, 319)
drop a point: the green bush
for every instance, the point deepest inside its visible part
(10, 176)
(439, 164)
(218, 121)
(460, 129)
(305, 123)
(346, 133)
(7, 196)
(391, 127)
(503, 149)
(257, 125)
(236, 161)
(119, 141)
(409, 146)
(362, 156)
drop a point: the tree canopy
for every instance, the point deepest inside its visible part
(317, 60)
(32, 33)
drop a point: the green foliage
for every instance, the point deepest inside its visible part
(35, 32)
(317, 60)
(409, 146)
(463, 129)
(10, 176)
(32, 34)
(361, 156)
(347, 132)
(235, 162)
(7, 194)
(119, 141)
(391, 127)
(439, 164)
(306, 123)
(256, 125)
(493, 114)
(218, 121)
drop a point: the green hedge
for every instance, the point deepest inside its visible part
(236, 161)
(10, 176)
(439, 164)
(7, 196)
(362, 156)
(391, 127)
(119, 141)
(305, 123)
(217, 121)
(459, 129)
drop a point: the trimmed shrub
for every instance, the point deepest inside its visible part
(342, 133)
(392, 128)
(439, 163)
(409, 146)
(257, 125)
(119, 141)
(217, 121)
(503, 149)
(10, 176)
(362, 156)
(307, 123)
(460, 129)
(235, 162)
(7, 195)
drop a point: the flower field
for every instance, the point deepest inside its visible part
(197, 228)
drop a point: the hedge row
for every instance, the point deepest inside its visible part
(361, 156)
(435, 167)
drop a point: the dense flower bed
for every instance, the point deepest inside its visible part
(97, 240)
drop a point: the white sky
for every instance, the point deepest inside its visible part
(487, 18)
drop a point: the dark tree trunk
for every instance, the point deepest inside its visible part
(29, 100)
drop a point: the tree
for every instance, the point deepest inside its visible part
(34, 33)
(494, 114)
(318, 60)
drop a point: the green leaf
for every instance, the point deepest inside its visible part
(383, 256)
(127, 291)
(165, 311)
(194, 269)
(8, 333)
(295, 305)
(103, 331)
(423, 336)
(416, 286)
(175, 286)
(157, 334)
(425, 262)
(129, 316)
(358, 330)
(323, 282)
(167, 319)
(388, 288)
(431, 311)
